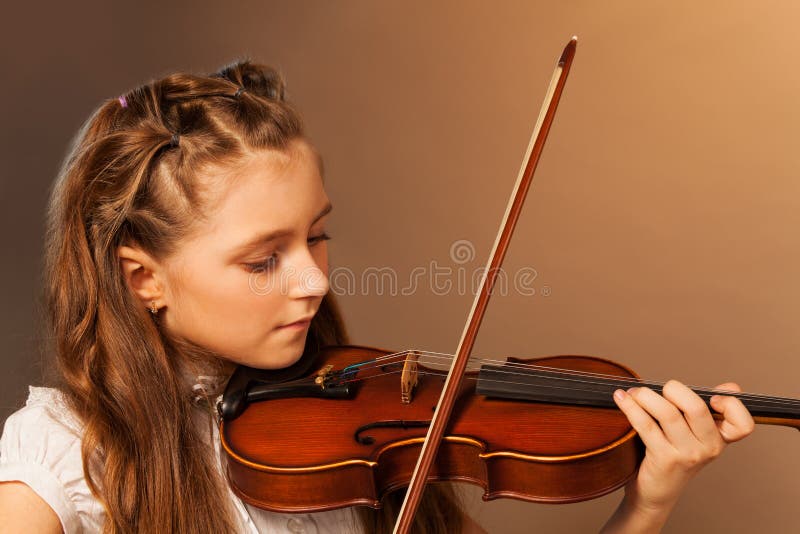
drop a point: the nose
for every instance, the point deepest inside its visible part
(308, 280)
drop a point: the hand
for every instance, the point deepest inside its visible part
(681, 437)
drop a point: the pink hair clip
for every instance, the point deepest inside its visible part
(123, 102)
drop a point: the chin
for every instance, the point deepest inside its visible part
(279, 359)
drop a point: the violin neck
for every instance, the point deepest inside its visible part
(577, 388)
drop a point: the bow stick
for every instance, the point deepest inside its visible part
(513, 209)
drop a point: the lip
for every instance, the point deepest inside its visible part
(299, 325)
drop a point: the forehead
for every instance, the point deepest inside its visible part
(270, 189)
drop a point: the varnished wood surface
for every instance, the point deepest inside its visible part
(301, 454)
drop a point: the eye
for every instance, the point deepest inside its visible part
(318, 238)
(263, 266)
(271, 262)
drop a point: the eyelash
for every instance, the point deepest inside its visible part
(270, 263)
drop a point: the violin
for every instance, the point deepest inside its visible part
(349, 431)
(353, 423)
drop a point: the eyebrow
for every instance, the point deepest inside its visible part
(263, 239)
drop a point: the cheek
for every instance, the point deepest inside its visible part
(226, 311)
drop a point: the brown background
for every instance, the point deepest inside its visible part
(662, 221)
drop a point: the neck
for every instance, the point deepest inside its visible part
(554, 386)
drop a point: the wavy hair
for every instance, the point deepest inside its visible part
(130, 179)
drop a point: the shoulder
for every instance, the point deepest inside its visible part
(44, 431)
(41, 447)
(45, 409)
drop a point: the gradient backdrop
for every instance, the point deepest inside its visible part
(661, 226)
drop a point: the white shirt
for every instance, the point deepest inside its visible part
(41, 446)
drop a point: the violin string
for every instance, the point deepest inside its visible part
(768, 402)
(633, 382)
(534, 367)
(593, 379)
(448, 357)
(504, 382)
(399, 357)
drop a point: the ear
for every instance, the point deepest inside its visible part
(141, 273)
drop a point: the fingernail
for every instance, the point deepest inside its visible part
(619, 395)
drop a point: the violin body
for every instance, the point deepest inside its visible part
(307, 454)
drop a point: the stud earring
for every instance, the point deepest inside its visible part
(153, 308)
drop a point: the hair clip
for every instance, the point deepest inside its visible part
(174, 140)
(123, 101)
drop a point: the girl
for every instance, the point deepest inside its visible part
(175, 197)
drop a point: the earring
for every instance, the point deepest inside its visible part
(153, 307)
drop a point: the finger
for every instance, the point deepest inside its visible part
(672, 422)
(642, 423)
(737, 423)
(696, 414)
(728, 386)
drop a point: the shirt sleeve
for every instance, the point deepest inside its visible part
(40, 448)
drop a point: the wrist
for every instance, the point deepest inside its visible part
(633, 515)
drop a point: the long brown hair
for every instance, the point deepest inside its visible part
(130, 179)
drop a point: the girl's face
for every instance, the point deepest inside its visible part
(248, 281)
